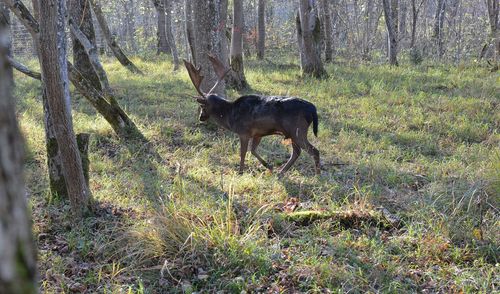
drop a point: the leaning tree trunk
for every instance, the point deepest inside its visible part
(170, 34)
(55, 79)
(310, 32)
(208, 17)
(80, 13)
(17, 249)
(261, 29)
(188, 15)
(237, 79)
(110, 40)
(327, 29)
(390, 14)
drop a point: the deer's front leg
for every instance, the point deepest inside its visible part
(243, 152)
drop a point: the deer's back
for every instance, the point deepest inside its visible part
(267, 115)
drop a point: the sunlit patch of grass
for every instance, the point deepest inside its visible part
(421, 141)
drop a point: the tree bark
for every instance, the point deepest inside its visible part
(493, 15)
(327, 28)
(188, 13)
(310, 32)
(161, 33)
(209, 24)
(237, 79)
(55, 79)
(390, 14)
(261, 29)
(113, 45)
(438, 27)
(18, 253)
(170, 34)
(80, 12)
(415, 11)
(90, 51)
(5, 25)
(24, 69)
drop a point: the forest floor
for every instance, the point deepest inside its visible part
(421, 142)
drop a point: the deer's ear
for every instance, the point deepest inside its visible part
(201, 100)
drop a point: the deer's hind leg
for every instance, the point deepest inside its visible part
(255, 144)
(293, 158)
(306, 145)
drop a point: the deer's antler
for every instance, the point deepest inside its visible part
(220, 70)
(195, 75)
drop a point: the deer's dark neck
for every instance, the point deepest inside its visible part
(222, 113)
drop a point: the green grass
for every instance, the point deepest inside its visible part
(423, 142)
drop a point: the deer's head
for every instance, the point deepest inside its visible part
(208, 101)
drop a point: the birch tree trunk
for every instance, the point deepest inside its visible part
(55, 79)
(261, 29)
(209, 21)
(17, 249)
(237, 79)
(310, 32)
(391, 19)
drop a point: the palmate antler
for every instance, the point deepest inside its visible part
(197, 78)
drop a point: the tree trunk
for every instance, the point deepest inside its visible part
(209, 22)
(327, 28)
(261, 29)
(391, 18)
(90, 50)
(438, 27)
(310, 31)
(368, 27)
(402, 23)
(130, 19)
(170, 34)
(79, 11)
(188, 15)
(161, 33)
(237, 79)
(18, 253)
(5, 25)
(113, 45)
(111, 111)
(493, 13)
(55, 78)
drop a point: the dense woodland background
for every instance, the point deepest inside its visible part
(130, 193)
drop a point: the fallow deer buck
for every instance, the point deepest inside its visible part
(253, 117)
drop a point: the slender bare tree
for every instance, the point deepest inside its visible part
(438, 27)
(189, 27)
(56, 82)
(391, 21)
(17, 249)
(261, 29)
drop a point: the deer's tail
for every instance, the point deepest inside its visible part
(315, 122)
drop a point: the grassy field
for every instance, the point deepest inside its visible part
(421, 142)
